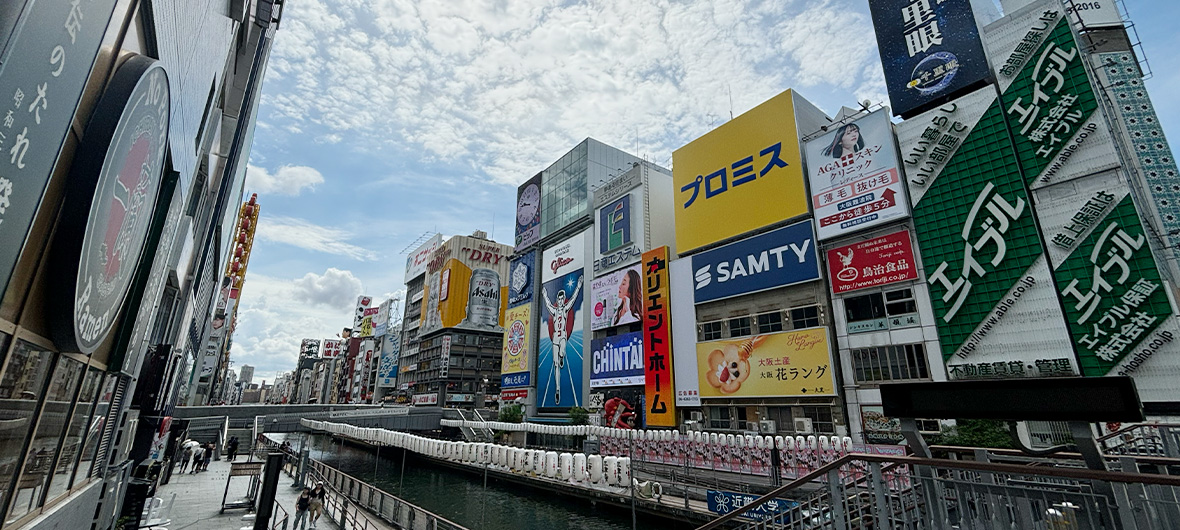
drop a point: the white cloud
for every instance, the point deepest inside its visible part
(506, 88)
(306, 235)
(335, 288)
(288, 180)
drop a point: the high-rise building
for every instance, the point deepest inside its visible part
(246, 374)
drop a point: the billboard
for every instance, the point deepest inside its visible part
(516, 351)
(559, 350)
(528, 212)
(684, 333)
(778, 258)
(872, 263)
(792, 363)
(418, 259)
(309, 348)
(617, 298)
(657, 341)
(741, 176)
(462, 297)
(331, 349)
(930, 51)
(520, 279)
(362, 304)
(381, 318)
(368, 321)
(619, 232)
(564, 257)
(617, 360)
(391, 346)
(855, 182)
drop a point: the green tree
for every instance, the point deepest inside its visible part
(579, 416)
(511, 414)
(976, 433)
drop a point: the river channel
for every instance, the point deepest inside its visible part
(462, 498)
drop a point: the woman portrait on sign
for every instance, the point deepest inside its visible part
(846, 142)
(630, 297)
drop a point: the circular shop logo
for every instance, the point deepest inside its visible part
(934, 73)
(515, 338)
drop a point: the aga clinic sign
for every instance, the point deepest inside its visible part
(873, 263)
(617, 298)
(855, 183)
(775, 259)
(114, 183)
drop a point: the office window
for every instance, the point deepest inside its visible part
(890, 363)
(710, 331)
(874, 306)
(770, 322)
(739, 327)
(900, 302)
(821, 418)
(805, 317)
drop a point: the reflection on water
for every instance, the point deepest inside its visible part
(462, 498)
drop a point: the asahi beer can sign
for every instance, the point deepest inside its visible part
(483, 300)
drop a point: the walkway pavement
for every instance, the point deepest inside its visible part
(198, 501)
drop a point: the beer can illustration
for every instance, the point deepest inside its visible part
(483, 299)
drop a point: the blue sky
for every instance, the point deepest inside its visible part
(382, 120)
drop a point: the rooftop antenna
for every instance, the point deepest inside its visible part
(729, 89)
(493, 237)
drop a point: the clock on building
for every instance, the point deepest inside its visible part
(528, 205)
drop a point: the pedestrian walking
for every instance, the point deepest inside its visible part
(185, 457)
(231, 448)
(317, 502)
(198, 456)
(208, 456)
(302, 504)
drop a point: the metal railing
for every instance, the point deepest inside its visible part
(925, 493)
(346, 491)
(1144, 439)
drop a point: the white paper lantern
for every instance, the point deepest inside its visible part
(610, 470)
(594, 468)
(551, 464)
(580, 467)
(565, 466)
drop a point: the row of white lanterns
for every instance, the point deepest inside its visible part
(572, 467)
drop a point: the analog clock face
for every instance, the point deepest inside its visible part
(528, 205)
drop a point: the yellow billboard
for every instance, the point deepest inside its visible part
(741, 176)
(462, 297)
(516, 340)
(792, 363)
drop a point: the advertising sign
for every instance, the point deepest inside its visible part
(559, 351)
(617, 298)
(418, 259)
(855, 183)
(115, 180)
(617, 360)
(775, 259)
(331, 349)
(877, 427)
(462, 297)
(381, 318)
(49, 61)
(657, 341)
(390, 352)
(564, 257)
(425, 399)
(1095, 14)
(309, 348)
(793, 363)
(517, 330)
(723, 502)
(619, 232)
(528, 212)
(362, 303)
(684, 334)
(520, 279)
(516, 380)
(741, 176)
(508, 396)
(872, 263)
(930, 51)
(367, 327)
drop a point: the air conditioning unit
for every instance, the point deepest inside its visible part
(767, 427)
(697, 427)
(803, 426)
(696, 416)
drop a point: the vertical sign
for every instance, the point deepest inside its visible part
(657, 343)
(930, 50)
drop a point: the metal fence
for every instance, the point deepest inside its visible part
(1144, 439)
(351, 494)
(920, 493)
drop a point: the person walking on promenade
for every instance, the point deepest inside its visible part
(317, 502)
(208, 456)
(198, 456)
(185, 457)
(302, 504)
(231, 448)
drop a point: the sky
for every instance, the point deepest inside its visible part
(384, 120)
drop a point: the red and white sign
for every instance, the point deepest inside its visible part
(513, 394)
(878, 261)
(331, 349)
(425, 399)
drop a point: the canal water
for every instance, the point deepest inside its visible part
(462, 498)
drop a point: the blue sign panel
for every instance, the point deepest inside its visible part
(559, 352)
(775, 259)
(617, 361)
(930, 50)
(517, 380)
(614, 225)
(723, 502)
(520, 279)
